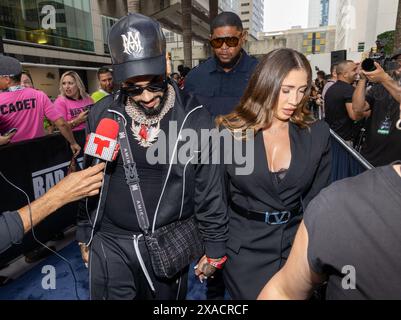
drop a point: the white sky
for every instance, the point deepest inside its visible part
(283, 14)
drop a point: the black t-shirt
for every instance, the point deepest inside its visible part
(382, 149)
(337, 116)
(119, 212)
(354, 234)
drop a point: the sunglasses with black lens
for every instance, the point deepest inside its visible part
(154, 86)
(217, 43)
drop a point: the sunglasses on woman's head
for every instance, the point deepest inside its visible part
(217, 43)
(154, 86)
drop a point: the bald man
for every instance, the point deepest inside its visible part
(338, 102)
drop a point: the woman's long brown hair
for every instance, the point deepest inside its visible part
(257, 106)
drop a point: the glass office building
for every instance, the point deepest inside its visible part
(60, 23)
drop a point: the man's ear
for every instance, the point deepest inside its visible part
(244, 35)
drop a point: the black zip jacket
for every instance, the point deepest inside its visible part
(188, 189)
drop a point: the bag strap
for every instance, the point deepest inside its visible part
(132, 178)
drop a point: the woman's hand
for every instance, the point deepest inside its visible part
(6, 138)
(81, 118)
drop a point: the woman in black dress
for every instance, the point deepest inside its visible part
(291, 165)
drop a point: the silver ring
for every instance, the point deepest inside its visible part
(398, 126)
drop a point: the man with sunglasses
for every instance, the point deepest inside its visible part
(220, 81)
(155, 113)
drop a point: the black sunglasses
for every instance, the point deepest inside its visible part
(217, 43)
(133, 90)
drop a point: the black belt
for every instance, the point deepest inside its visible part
(272, 218)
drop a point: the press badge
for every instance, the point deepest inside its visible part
(385, 126)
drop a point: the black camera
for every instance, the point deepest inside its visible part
(386, 63)
(380, 57)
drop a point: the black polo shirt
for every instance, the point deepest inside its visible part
(337, 116)
(217, 90)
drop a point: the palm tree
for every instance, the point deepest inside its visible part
(134, 6)
(213, 10)
(186, 6)
(397, 36)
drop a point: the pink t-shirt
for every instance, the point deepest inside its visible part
(25, 110)
(70, 109)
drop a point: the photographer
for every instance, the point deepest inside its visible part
(383, 142)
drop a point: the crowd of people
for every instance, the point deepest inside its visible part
(277, 232)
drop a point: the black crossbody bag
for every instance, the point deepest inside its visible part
(171, 247)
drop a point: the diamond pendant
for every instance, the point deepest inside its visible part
(146, 135)
(144, 132)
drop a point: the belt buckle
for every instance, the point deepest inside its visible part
(277, 218)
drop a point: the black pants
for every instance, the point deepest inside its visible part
(216, 288)
(115, 272)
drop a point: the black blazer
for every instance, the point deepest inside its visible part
(256, 251)
(309, 172)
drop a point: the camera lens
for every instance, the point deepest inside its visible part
(368, 65)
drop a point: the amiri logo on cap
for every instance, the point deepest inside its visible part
(132, 43)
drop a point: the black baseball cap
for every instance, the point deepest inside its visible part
(9, 66)
(137, 47)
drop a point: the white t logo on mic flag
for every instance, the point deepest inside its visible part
(100, 147)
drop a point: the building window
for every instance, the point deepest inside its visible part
(66, 24)
(361, 46)
(170, 36)
(107, 23)
(245, 12)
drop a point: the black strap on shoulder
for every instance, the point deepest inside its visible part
(131, 176)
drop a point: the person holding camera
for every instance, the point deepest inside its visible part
(382, 142)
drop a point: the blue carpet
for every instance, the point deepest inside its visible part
(29, 285)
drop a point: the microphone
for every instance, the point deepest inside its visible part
(103, 145)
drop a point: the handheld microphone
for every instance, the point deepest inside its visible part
(103, 145)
